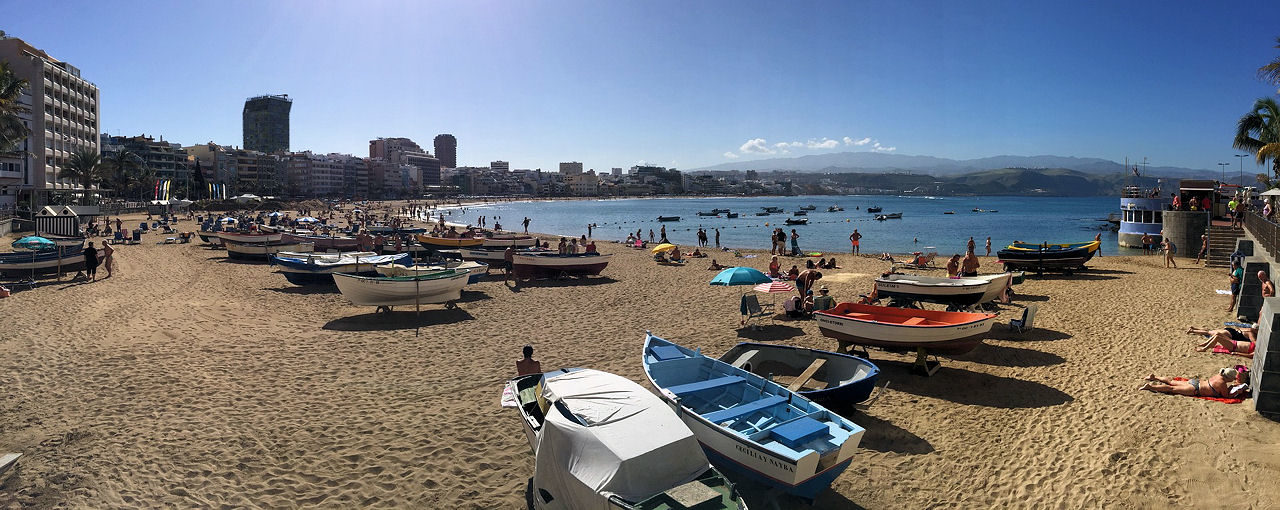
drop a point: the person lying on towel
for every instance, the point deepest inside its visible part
(1227, 383)
(1239, 342)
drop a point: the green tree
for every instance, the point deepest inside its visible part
(1259, 132)
(85, 168)
(1270, 73)
(12, 131)
(124, 166)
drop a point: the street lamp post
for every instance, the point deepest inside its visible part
(1223, 167)
(1239, 157)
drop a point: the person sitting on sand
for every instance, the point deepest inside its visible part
(715, 266)
(1268, 288)
(528, 365)
(885, 256)
(793, 272)
(831, 264)
(1224, 384)
(697, 253)
(775, 269)
(1238, 342)
(823, 301)
(953, 266)
(675, 256)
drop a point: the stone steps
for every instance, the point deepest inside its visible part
(1222, 242)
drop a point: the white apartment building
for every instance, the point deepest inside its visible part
(63, 120)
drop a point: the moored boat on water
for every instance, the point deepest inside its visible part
(668, 218)
(531, 265)
(602, 441)
(809, 207)
(838, 380)
(704, 213)
(443, 286)
(904, 328)
(797, 221)
(319, 268)
(835, 208)
(874, 209)
(749, 424)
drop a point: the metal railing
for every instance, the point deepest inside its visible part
(1266, 232)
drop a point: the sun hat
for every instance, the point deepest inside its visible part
(824, 287)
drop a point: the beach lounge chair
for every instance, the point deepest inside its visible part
(167, 229)
(755, 310)
(1025, 324)
(137, 237)
(119, 236)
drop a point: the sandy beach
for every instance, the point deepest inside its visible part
(187, 380)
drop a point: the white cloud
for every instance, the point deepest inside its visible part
(850, 141)
(757, 146)
(880, 148)
(730, 155)
(826, 143)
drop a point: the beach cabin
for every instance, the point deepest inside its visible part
(65, 220)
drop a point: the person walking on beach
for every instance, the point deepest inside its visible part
(650, 235)
(971, 245)
(107, 260)
(795, 243)
(526, 224)
(1204, 249)
(855, 239)
(508, 260)
(91, 262)
(663, 231)
(717, 237)
(988, 246)
(528, 365)
(1237, 276)
(1096, 238)
(1231, 209)
(1169, 249)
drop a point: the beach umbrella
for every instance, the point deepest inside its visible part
(34, 243)
(275, 214)
(307, 219)
(1271, 192)
(664, 247)
(740, 276)
(227, 220)
(775, 287)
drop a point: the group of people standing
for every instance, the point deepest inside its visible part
(702, 237)
(779, 243)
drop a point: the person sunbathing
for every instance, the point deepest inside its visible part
(715, 266)
(1227, 383)
(1234, 341)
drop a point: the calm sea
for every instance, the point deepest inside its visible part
(923, 223)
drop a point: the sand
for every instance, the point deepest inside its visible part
(187, 380)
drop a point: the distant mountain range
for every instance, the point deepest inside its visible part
(877, 162)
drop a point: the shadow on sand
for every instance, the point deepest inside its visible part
(581, 281)
(972, 388)
(1004, 356)
(1028, 297)
(471, 296)
(884, 436)
(303, 290)
(1002, 332)
(756, 495)
(770, 333)
(402, 318)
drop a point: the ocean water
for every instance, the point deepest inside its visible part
(923, 227)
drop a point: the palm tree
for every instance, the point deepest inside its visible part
(124, 165)
(12, 131)
(85, 167)
(1259, 132)
(1270, 73)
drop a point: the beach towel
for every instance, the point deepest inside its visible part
(1215, 399)
(1223, 292)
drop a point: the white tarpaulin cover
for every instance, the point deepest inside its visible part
(621, 440)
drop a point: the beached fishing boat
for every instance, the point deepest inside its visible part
(492, 255)
(948, 212)
(752, 425)
(532, 265)
(997, 283)
(239, 237)
(1051, 259)
(602, 441)
(210, 238)
(443, 286)
(1092, 246)
(262, 251)
(387, 229)
(21, 264)
(797, 221)
(668, 218)
(319, 268)
(932, 289)
(449, 242)
(323, 243)
(504, 240)
(828, 378)
(874, 209)
(904, 328)
(477, 270)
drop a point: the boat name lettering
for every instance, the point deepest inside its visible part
(759, 456)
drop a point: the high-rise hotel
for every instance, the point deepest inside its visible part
(266, 123)
(62, 118)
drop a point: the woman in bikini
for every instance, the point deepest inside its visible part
(1235, 341)
(1218, 386)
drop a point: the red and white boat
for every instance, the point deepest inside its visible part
(237, 237)
(904, 328)
(324, 243)
(505, 240)
(530, 265)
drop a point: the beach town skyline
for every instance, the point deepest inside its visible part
(534, 86)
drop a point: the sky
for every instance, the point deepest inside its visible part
(677, 83)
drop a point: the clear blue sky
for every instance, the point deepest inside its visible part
(680, 83)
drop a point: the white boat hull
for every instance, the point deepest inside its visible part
(263, 250)
(385, 292)
(955, 339)
(965, 291)
(233, 237)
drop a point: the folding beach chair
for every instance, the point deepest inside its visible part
(1025, 324)
(137, 237)
(757, 311)
(119, 236)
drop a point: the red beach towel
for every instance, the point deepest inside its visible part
(1215, 399)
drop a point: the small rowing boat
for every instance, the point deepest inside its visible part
(531, 265)
(386, 291)
(904, 328)
(262, 251)
(319, 268)
(477, 270)
(932, 289)
(449, 242)
(828, 378)
(797, 221)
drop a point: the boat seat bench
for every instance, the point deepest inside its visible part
(797, 432)
(914, 321)
(739, 411)
(719, 382)
(666, 352)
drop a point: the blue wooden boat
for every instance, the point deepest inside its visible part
(749, 424)
(26, 263)
(319, 268)
(837, 380)
(1091, 246)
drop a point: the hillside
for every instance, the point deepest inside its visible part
(875, 162)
